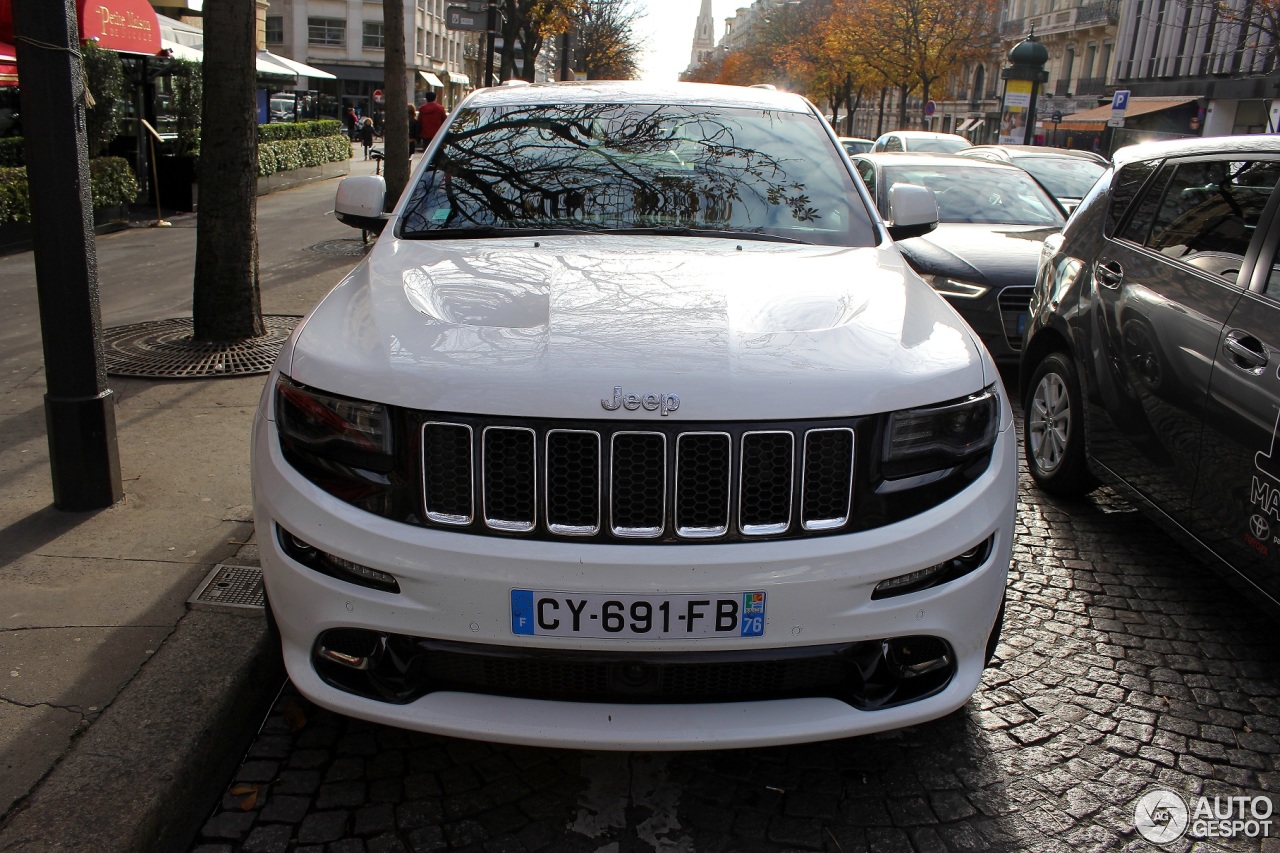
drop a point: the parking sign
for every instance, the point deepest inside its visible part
(1119, 103)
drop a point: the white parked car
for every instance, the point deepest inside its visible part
(635, 431)
(920, 141)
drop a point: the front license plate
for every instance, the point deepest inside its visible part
(543, 613)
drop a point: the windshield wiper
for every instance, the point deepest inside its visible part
(682, 231)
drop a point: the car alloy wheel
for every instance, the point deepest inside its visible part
(1053, 425)
(1049, 422)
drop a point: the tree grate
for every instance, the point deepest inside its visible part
(163, 349)
(352, 247)
(230, 587)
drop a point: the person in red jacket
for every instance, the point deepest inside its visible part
(430, 117)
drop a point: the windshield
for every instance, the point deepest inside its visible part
(677, 169)
(1001, 196)
(1065, 177)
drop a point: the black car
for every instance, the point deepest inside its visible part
(1065, 172)
(1151, 361)
(983, 255)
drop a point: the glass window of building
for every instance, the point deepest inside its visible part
(373, 35)
(330, 32)
(275, 29)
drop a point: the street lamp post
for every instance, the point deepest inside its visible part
(1023, 78)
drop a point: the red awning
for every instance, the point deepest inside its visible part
(125, 26)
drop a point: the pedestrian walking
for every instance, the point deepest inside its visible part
(430, 118)
(352, 118)
(413, 129)
(366, 135)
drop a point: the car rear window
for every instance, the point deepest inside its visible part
(602, 167)
(996, 195)
(1124, 189)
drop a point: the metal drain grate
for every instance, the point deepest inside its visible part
(354, 248)
(163, 349)
(230, 587)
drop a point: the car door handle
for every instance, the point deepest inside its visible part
(1247, 351)
(1108, 274)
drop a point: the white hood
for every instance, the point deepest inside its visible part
(549, 326)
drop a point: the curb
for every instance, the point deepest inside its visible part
(147, 773)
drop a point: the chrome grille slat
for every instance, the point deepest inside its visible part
(827, 491)
(446, 472)
(766, 489)
(573, 482)
(510, 478)
(638, 480)
(704, 461)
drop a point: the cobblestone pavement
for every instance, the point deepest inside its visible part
(1124, 665)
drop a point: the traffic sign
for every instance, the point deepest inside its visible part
(1056, 117)
(462, 18)
(930, 108)
(377, 96)
(1119, 103)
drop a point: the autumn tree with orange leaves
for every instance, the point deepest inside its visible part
(916, 43)
(531, 23)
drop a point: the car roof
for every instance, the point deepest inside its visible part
(1258, 143)
(1033, 151)
(922, 134)
(639, 92)
(854, 139)
(898, 158)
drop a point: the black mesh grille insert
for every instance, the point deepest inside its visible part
(446, 472)
(702, 484)
(1015, 302)
(510, 478)
(639, 483)
(766, 482)
(828, 478)
(573, 481)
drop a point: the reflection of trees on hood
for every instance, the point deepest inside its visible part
(610, 165)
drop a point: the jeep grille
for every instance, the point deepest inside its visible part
(637, 484)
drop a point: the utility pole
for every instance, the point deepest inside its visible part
(79, 408)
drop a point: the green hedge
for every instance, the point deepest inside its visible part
(11, 152)
(298, 130)
(286, 154)
(111, 183)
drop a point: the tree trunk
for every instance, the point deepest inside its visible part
(395, 127)
(227, 305)
(510, 26)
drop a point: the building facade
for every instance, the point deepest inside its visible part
(346, 39)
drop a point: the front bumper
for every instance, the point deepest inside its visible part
(455, 588)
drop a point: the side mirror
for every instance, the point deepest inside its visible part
(913, 211)
(360, 201)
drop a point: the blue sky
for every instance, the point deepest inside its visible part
(668, 29)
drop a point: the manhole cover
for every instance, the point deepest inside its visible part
(341, 247)
(230, 587)
(163, 349)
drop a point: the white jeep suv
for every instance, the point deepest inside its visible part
(634, 431)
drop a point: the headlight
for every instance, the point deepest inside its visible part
(352, 432)
(936, 438)
(955, 287)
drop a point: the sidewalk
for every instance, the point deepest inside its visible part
(122, 712)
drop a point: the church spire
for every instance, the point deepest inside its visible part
(704, 36)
